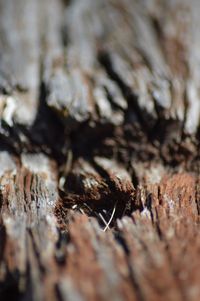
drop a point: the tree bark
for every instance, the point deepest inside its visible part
(99, 150)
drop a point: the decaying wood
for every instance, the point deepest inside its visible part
(99, 150)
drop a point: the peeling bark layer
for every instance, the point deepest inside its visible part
(99, 150)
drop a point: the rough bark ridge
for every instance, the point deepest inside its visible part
(99, 150)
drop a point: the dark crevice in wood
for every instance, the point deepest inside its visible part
(197, 195)
(171, 265)
(149, 203)
(46, 121)
(58, 293)
(9, 290)
(106, 61)
(37, 253)
(63, 240)
(3, 241)
(133, 277)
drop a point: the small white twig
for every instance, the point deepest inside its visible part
(103, 219)
(97, 214)
(110, 220)
(81, 210)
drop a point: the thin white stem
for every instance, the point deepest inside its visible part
(110, 220)
(103, 219)
(97, 214)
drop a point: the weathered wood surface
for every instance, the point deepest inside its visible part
(99, 150)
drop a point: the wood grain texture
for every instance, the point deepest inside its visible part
(99, 150)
